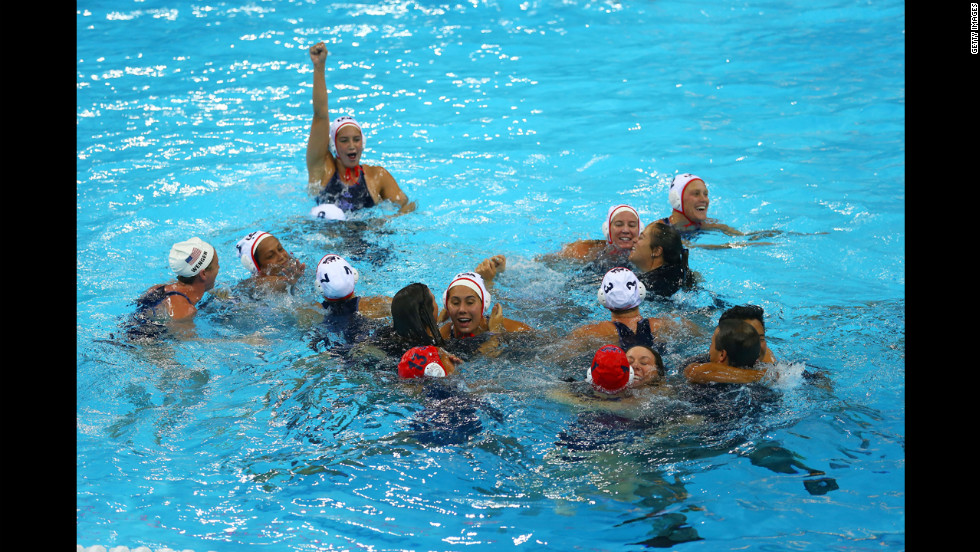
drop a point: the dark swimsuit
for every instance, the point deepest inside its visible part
(341, 319)
(144, 324)
(666, 221)
(663, 281)
(348, 198)
(467, 345)
(642, 336)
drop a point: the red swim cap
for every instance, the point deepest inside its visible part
(421, 361)
(610, 371)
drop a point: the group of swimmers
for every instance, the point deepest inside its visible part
(429, 335)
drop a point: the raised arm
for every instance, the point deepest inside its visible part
(490, 267)
(318, 147)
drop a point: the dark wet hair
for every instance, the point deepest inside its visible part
(740, 341)
(669, 239)
(411, 315)
(744, 312)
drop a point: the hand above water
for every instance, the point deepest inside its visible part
(318, 53)
(489, 267)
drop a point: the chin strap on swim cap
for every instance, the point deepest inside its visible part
(335, 127)
(246, 249)
(676, 195)
(613, 211)
(473, 281)
(352, 175)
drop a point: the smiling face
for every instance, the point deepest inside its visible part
(465, 309)
(644, 363)
(271, 256)
(349, 144)
(643, 250)
(624, 230)
(696, 201)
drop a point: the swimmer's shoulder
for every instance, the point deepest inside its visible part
(582, 249)
(180, 307)
(375, 306)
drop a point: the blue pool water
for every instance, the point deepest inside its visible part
(513, 126)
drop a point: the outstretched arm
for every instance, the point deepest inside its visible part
(724, 228)
(714, 372)
(318, 147)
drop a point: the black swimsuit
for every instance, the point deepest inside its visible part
(144, 324)
(348, 198)
(342, 319)
(663, 281)
(642, 336)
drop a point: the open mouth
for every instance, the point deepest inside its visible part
(463, 321)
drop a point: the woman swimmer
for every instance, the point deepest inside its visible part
(648, 366)
(622, 292)
(195, 265)
(661, 260)
(621, 229)
(333, 157)
(688, 197)
(336, 279)
(345, 313)
(467, 303)
(613, 375)
(414, 312)
(272, 268)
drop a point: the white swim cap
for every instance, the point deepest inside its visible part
(246, 249)
(189, 258)
(676, 193)
(336, 277)
(336, 125)
(613, 211)
(473, 281)
(328, 211)
(621, 289)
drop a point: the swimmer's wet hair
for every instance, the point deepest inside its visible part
(744, 312)
(411, 315)
(740, 341)
(667, 237)
(674, 252)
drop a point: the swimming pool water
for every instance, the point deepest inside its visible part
(513, 127)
